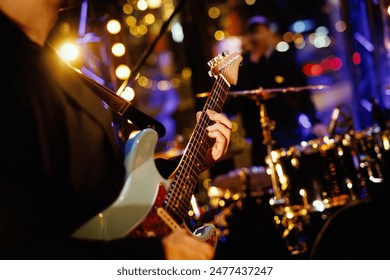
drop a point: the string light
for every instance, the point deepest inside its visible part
(118, 49)
(142, 5)
(128, 94)
(122, 72)
(149, 19)
(114, 26)
(69, 51)
(154, 4)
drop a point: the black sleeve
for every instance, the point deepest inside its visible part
(28, 222)
(34, 209)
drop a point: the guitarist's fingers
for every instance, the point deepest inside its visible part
(220, 146)
(198, 115)
(221, 128)
(219, 118)
(180, 245)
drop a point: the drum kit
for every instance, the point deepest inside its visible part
(307, 182)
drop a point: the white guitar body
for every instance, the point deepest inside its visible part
(138, 195)
(149, 205)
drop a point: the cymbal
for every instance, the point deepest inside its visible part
(174, 152)
(263, 91)
(267, 92)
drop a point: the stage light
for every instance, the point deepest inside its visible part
(388, 10)
(114, 26)
(219, 35)
(122, 72)
(142, 5)
(69, 51)
(149, 19)
(214, 12)
(118, 49)
(282, 46)
(154, 4)
(128, 94)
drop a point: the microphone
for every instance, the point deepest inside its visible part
(333, 121)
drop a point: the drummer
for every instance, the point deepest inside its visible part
(267, 67)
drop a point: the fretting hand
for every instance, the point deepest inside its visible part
(220, 132)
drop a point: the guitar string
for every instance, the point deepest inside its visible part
(191, 168)
(190, 175)
(173, 195)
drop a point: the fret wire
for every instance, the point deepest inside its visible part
(174, 195)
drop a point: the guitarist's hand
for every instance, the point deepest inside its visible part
(180, 245)
(220, 132)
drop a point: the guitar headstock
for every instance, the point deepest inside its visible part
(227, 65)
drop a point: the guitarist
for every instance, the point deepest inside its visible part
(59, 161)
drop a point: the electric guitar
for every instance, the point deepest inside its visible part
(149, 205)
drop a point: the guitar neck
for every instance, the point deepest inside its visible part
(179, 196)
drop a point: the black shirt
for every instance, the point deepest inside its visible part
(279, 70)
(59, 160)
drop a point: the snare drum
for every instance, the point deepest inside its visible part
(316, 175)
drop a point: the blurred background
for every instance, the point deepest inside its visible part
(340, 43)
(343, 44)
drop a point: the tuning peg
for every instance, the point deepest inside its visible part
(225, 53)
(210, 63)
(211, 73)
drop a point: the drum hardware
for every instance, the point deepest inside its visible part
(289, 216)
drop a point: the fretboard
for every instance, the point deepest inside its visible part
(185, 180)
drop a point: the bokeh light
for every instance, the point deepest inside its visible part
(154, 4)
(113, 26)
(214, 12)
(142, 5)
(69, 51)
(118, 49)
(149, 19)
(123, 72)
(127, 9)
(128, 94)
(219, 35)
(250, 2)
